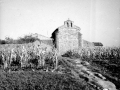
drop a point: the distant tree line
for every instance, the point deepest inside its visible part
(21, 40)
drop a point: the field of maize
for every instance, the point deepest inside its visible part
(96, 53)
(37, 55)
(30, 55)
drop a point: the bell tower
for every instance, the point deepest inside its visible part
(68, 23)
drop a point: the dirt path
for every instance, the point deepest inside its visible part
(81, 69)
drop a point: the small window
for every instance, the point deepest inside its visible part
(71, 24)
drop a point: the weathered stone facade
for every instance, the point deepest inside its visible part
(67, 37)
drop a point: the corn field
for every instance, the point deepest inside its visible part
(30, 55)
(95, 53)
(39, 55)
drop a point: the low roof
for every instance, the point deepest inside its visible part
(41, 37)
(97, 44)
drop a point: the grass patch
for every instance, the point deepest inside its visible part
(40, 80)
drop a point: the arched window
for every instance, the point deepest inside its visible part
(67, 24)
(71, 24)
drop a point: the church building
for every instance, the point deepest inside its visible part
(67, 37)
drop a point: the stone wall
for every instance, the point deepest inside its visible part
(48, 42)
(87, 44)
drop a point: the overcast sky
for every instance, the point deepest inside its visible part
(99, 20)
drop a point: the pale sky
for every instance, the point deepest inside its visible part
(99, 20)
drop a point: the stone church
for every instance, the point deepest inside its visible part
(67, 37)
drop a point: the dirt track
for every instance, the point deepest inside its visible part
(81, 69)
